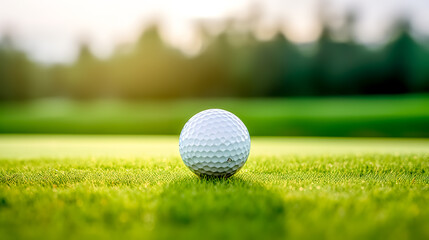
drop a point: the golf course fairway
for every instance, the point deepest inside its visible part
(137, 187)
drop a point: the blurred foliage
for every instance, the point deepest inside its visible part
(232, 64)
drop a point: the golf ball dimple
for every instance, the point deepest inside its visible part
(214, 142)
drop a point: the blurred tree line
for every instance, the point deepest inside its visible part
(233, 64)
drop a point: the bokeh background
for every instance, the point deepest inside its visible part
(287, 68)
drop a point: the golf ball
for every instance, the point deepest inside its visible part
(214, 142)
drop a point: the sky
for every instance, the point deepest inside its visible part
(50, 30)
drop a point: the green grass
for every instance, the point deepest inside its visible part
(378, 116)
(131, 187)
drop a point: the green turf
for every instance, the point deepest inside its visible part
(379, 116)
(131, 187)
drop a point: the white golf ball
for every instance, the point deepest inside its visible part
(214, 142)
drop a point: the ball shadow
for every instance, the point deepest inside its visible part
(216, 208)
